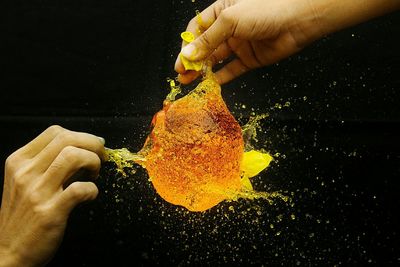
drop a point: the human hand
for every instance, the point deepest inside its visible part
(38, 195)
(261, 32)
(256, 32)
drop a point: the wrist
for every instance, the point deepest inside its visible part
(336, 15)
(304, 22)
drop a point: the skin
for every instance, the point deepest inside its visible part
(258, 33)
(36, 202)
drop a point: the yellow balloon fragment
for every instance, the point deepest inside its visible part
(254, 162)
(188, 37)
(246, 183)
(191, 65)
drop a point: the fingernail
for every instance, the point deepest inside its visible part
(102, 140)
(189, 51)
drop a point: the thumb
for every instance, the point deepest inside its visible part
(206, 43)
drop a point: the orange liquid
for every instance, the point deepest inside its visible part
(194, 151)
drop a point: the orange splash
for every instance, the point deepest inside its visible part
(194, 151)
(195, 154)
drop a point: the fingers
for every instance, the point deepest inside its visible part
(230, 71)
(188, 76)
(197, 26)
(68, 162)
(179, 68)
(206, 43)
(220, 54)
(205, 19)
(76, 193)
(36, 145)
(35, 201)
(69, 138)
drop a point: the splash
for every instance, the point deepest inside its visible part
(197, 155)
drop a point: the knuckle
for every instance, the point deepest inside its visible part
(80, 192)
(55, 129)
(96, 161)
(76, 191)
(69, 154)
(227, 17)
(44, 215)
(93, 192)
(100, 153)
(21, 176)
(98, 147)
(11, 161)
(35, 198)
(56, 166)
(64, 137)
(19, 181)
(93, 166)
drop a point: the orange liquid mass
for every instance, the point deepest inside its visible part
(195, 154)
(194, 151)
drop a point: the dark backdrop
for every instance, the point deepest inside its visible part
(101, 67)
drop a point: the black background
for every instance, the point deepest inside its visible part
(101, 67)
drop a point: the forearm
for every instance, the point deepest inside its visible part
(334, 15)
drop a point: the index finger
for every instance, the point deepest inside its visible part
(203, 20)
(41, 141)
(200, 23)
(66, 139)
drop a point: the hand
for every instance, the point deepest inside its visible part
(38, 195)
(257, 32)
(261, 32)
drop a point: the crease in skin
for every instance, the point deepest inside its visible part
(196, 155)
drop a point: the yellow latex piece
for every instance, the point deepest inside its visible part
(203, 25)
(188, 37)
(200, 22)
(191, 65)
(246, 183)
(254, 162)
